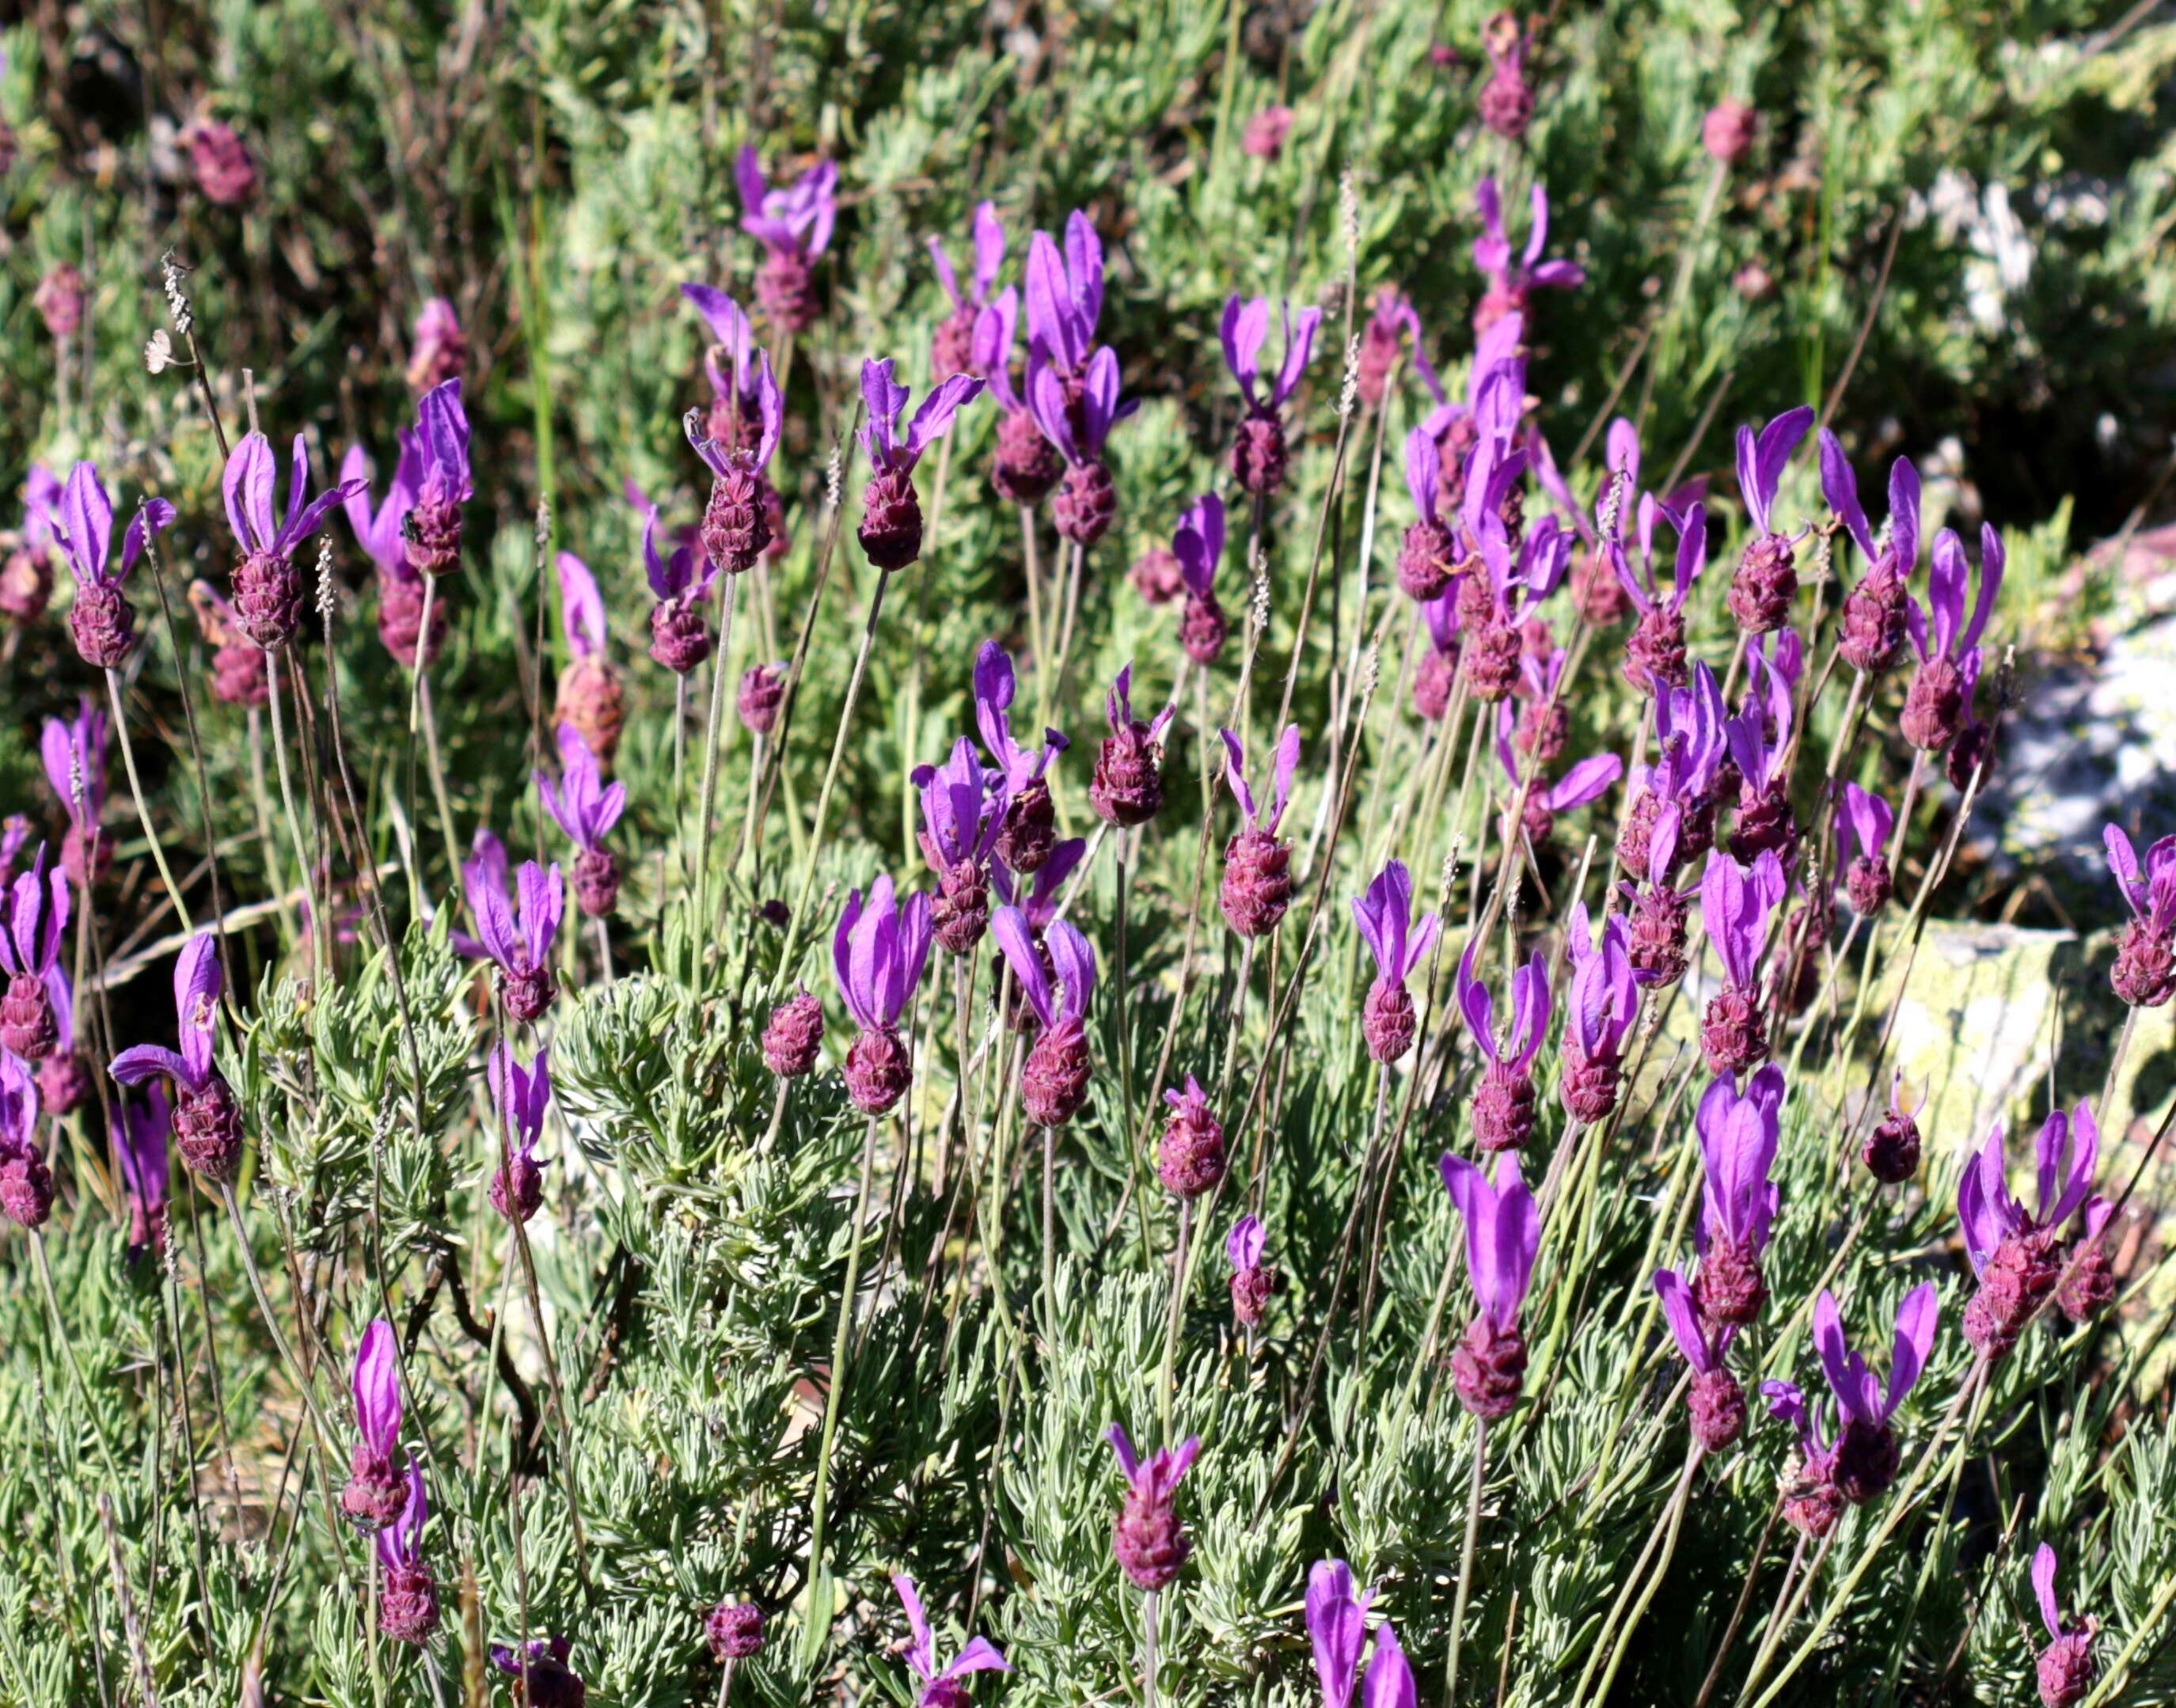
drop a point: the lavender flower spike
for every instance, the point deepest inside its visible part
(1064, 297)
(1258, 456)
(1872, 626)
(443, 485)
(1054, 1080)
(102, 621)
(1503, 1233)
(1385, 916)
(1868, 880)
(1190, 1158)
(941, 1687)
(1256, 883)
(1945, 640)
(794, 227)
(2065, 1669)
(26, 1183)
(1501, 1112)
(1866, 1455)
(2016, 1253)
(1737, 1139)
(407, 1599)
(520, 1097)
(1337, 1628)
(737, 518)
(138, 1130)
(891, 530)
(583, 806)
(2144, 972)
(207, 1119)
(1717, 1402)
(1765, 823)
(1589, 780)
(1429, 551)
(1252, 1281)
(1150, 1545)
(30, 937)
(953, 349)
(877, 955)
(1198, 545)
(1076, 412)
(1027, 465)
(679, 638)
(376, 1491)
(1510, 284)
(1603, 1003)
(1735, 903)
(382, 533)
(1655, 656)
(268, 588)
(75, 756)
(732, 366)
(1031, 821)
(962, 817)
(1127, 786)
(1767, 578)
(519, 939)
(590, 696)
(552, 1683)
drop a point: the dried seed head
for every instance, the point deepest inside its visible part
(158, 352)
(834, 476)
(1349, 391)
(172, 272)
(327, 595)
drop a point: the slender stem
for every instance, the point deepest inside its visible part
(1675, 1516)
(1050, 1234)
(67, 1352)
(1744, 1601)
(1466, 1560)
(820, 1504)
(136, 793)
(1182, 1260)
(719, 668)
(294, 818)
(1148, 1648)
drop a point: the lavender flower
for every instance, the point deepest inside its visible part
(1436, 673)
(59, 300)
(26, 577)
(138, 1130)
(75, 756)
(1872, 625)
(407, 1599)
(1190, 1156)
(1587, 781)
(207, 1119)
(432, 530)
(1867, 880)
(1726, 131)
(438, 348)
(267, 587)
(737, 517)
(1655, 656)
(793, 1036)
(583, 806)
(1259, 455)
(952, 350)
(1399, 943)
(552, 1683)
(30, 937)
(1767, 578)
(240, 675)
(734, 1630)
(225, 171)
(1252, 1281)
(1337, 1628)
(1198, 545)
(877, 955)
(1064, 297)
(1939, 699)
(1891, 1151)
(890, 531)
(1690, 728)
(742, 387)
(1735, 902)
(2065, 1669)
(679, 638)
(1518, 573)
(1657, 935)
(1029, 820)
(794, 227)
(26, 1183)
(383, 534)
(1506, 102)
(1027, 465)
(1765, 825)
(1127, 786)
(1257, 885)
(2015, 1253)
(1076, 414)
(377, 1492)
(1510, 283)
(1603, 1003)
(942, 1687)
(518, 1096)
(1501, 1112)
(1429, 551)
(517, 938)
(1150, 1545)
(1054, 1080)
(1264, 138)
(1391, 320)
(1503, 1233)
(2144, 972)
(1864, 1460)
(591, 699)
(1717, 1402)
(962, 816)
(762, 691)
(102, 621)
(1738, 1138)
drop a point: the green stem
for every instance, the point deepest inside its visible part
(819, 1506)
(1466, 1560)
(136, 793)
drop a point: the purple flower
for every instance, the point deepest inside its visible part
(1054, 1079)
(877, 955)
(26, 1183)
(1759, 738)
(518, 938)
(1337, 1628)
(1029, 818)
(1655, 656)
(591, 696)
(1502, 1112)
(1149, 1545)
(408, 1600)
(1947, 641)
(225, 171)
(1027, 465)
(1127, 786)
(1762, 459)
(2067, 1151)
(1875, 612)
(2065, 1669)
(1509, 283)
(1064, 297)
(1737, 1139)
(1078, 422)
(679, 638)
(1587, 781)
(1258, 456)
(1870, 819)
(439, 350)
(1252, 1281)
(75, 756)
(1866, 1455)
(1256, 886)
(518, 1096)
(1039, 900)
(1690, 726)
(586, 808)
(1520, 574)
(963, 813)
(377, 1492)
(1503, 1233)
(268, 588)
(1190, 1157)
(938, 1688)
(1601, 1006)
(1198, 545)
(797, 220)
(1735, 903)
(551, 1682)
(1715, 1401)
(2144, 972)
(1766, 580)
(744, 392)
(207, 1120)
(30, 937)
(102, 621)
(757, 410)
(1385, 916)
(1284, 762)
(1390, 320)
(1428, 553)
(138, 1130)
(953, 349)
(891, 530)
(380, 532)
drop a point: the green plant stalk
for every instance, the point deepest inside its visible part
(819, 1504)
(720, 667)
(1466, 1557)
(294, 818)
(1673, 1516)
(136, 794)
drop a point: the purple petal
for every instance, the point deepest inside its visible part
(1917, 1319)
(1009, 925)
(1390, 1681)
(1242, 1245)
(1075, 963)
(922, 1653)
(2043, 1589)
(937, 411)
(1678, 1311)
(989, 249)
(132, 1067)
(378, 1389)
